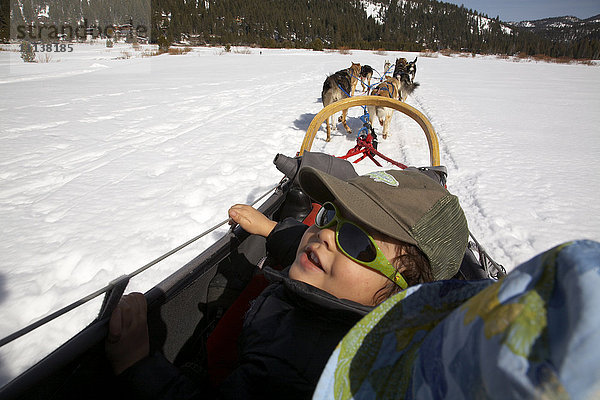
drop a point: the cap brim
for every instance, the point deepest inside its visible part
(355, 203)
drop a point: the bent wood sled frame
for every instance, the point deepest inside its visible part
(378, 101)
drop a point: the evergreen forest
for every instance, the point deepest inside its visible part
(414, 25)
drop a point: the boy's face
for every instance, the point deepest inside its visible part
(320, 263)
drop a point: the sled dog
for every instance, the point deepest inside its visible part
(389, 88)
(405, 72)
(339, 86)
(386, 67)
(411, 69)
(406, 86)
(336, 87)
(366, 73)
(399, 67)
(354, 72)
(405, 67)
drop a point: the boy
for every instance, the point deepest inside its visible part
(374, 236)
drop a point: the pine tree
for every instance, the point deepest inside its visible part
(27, 53)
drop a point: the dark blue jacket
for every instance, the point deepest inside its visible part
(289, 333)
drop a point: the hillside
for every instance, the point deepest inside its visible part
(564, 29)
(437, 25)
(362, 24)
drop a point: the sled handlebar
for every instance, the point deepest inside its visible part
(432, 141)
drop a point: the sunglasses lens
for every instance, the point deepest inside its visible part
(356, 243)
(325, 215)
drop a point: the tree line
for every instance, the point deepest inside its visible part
(410, 26)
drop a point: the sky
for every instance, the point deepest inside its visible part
(521, 10)
(109, 159)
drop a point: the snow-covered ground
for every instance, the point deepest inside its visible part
(109, 159)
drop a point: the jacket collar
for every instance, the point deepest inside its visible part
(314, 299)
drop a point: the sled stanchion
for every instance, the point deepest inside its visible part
(486, 260)
(112, 297)
(432, 141)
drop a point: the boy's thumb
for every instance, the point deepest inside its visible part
(114, 326)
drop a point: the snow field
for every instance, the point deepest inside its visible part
(108, 162)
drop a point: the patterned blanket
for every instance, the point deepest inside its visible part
(533, 334)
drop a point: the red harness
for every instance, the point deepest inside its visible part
(364, 146)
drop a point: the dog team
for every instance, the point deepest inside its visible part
(398, 85)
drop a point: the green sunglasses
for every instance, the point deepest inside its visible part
(357, 244)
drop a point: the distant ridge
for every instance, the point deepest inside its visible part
(563, 29)
(557, 22)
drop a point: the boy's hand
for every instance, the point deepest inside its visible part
(252, 220)
(127, 341)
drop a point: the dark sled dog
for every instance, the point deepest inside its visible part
(366, 73)
(336, 87)
(407, 86)
(399, 67)
(405, 72)
(411, 69)
(405, 67)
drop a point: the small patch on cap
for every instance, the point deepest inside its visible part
(384, 177)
